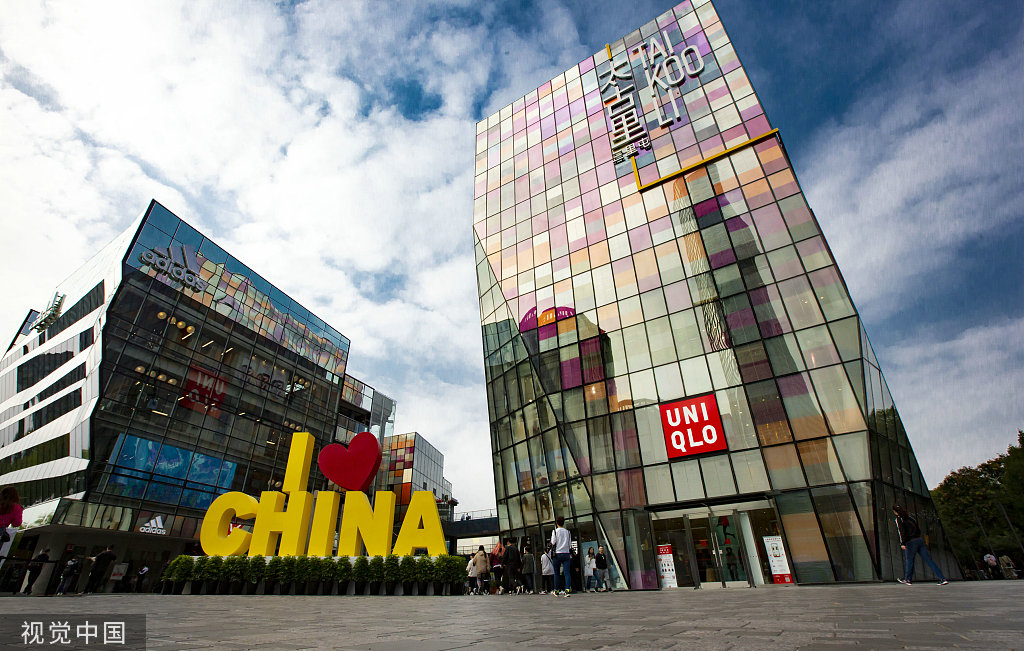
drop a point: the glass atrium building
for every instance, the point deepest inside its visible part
(165, 373)
(673, 361)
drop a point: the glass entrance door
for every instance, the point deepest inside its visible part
(719, 551)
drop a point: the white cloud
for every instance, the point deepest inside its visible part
(277, 132)
(960, 396)
(914, 171)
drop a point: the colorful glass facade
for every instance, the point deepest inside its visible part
(410, 463)
(641, 239)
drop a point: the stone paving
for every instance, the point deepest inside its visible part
(987, 615)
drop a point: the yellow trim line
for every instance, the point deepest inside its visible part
(608, 47)
(690, 168)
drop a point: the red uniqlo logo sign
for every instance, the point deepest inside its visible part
(692, 427)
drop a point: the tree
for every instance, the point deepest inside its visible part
(968, 501)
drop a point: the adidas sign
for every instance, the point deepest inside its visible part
(178, 262)
(156, 525)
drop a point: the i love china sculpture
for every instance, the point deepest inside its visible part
(290, 520)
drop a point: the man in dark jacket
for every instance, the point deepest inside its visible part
(35, 567)
(513, 563)
(913, 544)
(100, 563)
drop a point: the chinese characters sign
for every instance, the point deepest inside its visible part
(692, 426)
(666, 66)
(73, 631)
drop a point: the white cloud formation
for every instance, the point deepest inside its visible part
(912, 172)
(279, 132)
(959, 396)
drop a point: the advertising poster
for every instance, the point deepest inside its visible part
(666, 567)
(777, 560)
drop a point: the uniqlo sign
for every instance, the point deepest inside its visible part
(692, 427)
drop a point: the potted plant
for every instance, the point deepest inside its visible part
(212, 572)
(343, 573)
(255, 571)
(361, 573)
(288, 576)
(234, 572)
(376, 574)
(451, 572)
(274, 575)
(303, 574)
(197, 575)
(325, 565)
(177, 573)
(424, 574)
(407, 573)
(390, 573)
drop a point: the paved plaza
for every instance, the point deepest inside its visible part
(985, 615)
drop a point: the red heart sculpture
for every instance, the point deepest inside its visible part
(353, 468)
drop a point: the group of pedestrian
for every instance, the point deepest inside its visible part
(513, 569)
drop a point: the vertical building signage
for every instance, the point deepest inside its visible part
(665, 70)
(777, 560)
(692, 426)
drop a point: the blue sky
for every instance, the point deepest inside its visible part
(329, 145)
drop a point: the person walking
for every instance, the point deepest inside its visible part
(471, 576)
(561, 541)
(69, 577)
(913, 544)
(589, 565)
(547, 573)
(497, 554)
(100, 563)
(482, 567)
(512, 562)
(529, 568)
(35, 568)
(604, 582)
(10, 519)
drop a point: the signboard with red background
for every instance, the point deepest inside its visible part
(692, 426)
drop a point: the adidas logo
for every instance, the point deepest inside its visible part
(180, 263)
(156, 525)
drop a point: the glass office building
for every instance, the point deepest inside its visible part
(165, 373)
(410, 463)
(673, 361)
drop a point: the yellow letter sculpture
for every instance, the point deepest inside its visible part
(296, 473)
(360, 526)
(421, 527)
(216, 535)
(325, 523)
(273, 520)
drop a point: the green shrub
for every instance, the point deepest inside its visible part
(275, 569)
(390, 568)
(234, 568)
(377, 568)
(180, 569)
(304, 568)
(288, 565)
(342, 569)
(198, 572)
(255, 569)
(425, 570)
(214, 569)
(325, 567)
(407, 571)
(451, 569)
(361, 569)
